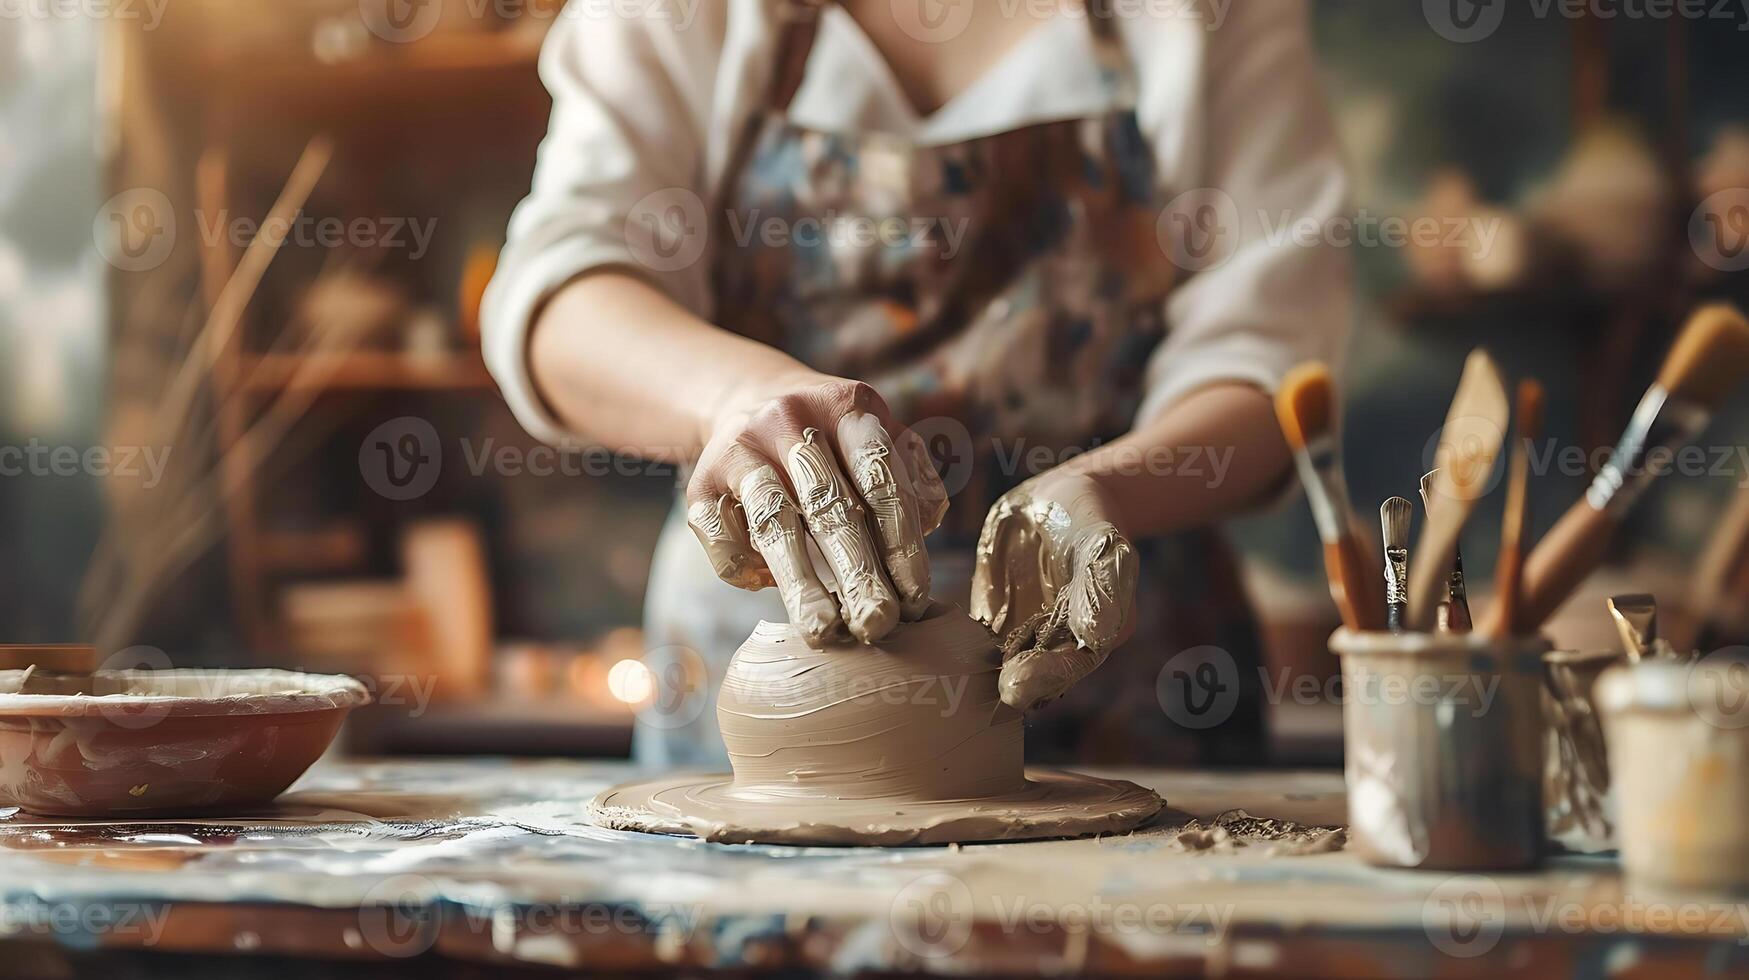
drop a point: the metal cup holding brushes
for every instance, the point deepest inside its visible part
(1443, 748)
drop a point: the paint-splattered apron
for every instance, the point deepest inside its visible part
(1003, 294)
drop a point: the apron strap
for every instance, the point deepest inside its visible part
(801, 23)
(1114, 60)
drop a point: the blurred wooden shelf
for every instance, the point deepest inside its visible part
(335, 547)
(365, 371)
(275, 74)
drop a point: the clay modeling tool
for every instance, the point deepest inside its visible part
(1395, 515)
(1306, 408)
(1475, 428)
(50, 668)
(1636, 619)
(1709, 360)
(1454, 609)
(1509, 572)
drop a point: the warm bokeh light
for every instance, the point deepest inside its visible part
(630, 682)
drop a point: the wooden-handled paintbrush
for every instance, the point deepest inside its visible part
(1395, 516)
(1454, 609)
(1709, 360)
(1306, 407)
(1509, 572)
(1475, 428)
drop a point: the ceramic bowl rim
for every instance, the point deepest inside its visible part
(267, 691)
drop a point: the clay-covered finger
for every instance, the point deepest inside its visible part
(1017, 571)
(925, 482)
(721, 528)
(882, 479)
(1085, 619)
(1037, 676)
(1101, 587)
(834, 517)
(990, 600)
(774, 524)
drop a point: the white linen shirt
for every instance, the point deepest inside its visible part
(1228, 96)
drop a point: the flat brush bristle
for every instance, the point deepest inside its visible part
(1710, 357)
(1395, 515)
(1304, 404)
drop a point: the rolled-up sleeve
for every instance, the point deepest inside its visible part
(630, 101)
(1261, 175)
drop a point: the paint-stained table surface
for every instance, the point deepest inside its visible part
(484, 867)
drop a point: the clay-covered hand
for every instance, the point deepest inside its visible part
(1056, 581)
(819, 458)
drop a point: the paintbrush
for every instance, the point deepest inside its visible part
(1454, 609)
(1475, 427)
(1636, 619)
(1306, 408)
(1709, 360)
(1509, 572)
(1395, 515)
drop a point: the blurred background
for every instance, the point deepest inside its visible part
(227, 451)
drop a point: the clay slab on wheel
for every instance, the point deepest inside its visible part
(903, 742)
(141, 742)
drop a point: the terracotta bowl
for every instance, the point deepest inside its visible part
(145, 742)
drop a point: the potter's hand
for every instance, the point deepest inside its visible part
(1056, 581)
(816, 457)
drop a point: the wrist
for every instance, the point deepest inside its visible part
(741, 396)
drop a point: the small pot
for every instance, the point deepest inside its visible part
(1679, 751)
(144, 742)
(1443, 749)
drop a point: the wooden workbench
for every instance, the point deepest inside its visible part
(485, 868)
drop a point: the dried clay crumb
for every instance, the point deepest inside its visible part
(1237, 829)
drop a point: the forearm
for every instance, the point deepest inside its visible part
(624, 366)
(1214, 455)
